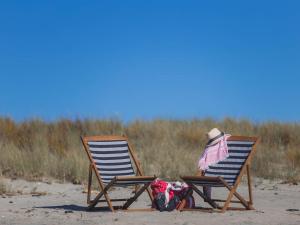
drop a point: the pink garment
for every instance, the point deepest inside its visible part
(214, 153)
(170, 189)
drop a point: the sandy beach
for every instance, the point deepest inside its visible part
(55, 203)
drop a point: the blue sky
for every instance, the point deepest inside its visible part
(150, 59)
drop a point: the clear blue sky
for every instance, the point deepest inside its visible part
(150, 59)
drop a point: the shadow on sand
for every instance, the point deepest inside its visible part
(72, 208)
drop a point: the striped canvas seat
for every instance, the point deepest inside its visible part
(112, 160)
(227, 173)
(230, 168)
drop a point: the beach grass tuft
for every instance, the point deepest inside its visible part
(34, 149)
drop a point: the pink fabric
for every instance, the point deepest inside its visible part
(170, 189)
(214, 153)
(158, 186)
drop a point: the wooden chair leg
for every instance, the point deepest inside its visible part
(183, 201)
(150, 194)
(131, 200)
(249, 186)
(207, 199)
(94, 202)
(107, 198)
(103, 192)
(239, 197)
(89, 184)
(229, 197)
(137, 187)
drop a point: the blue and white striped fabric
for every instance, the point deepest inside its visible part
(230, 167)
(111, 159)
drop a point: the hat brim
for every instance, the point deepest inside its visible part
(215, 139)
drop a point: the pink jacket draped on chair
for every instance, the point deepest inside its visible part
(214, 153)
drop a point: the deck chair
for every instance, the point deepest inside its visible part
(111, 161)
(227, 174)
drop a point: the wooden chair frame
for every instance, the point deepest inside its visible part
(104, 189)
(247, 205)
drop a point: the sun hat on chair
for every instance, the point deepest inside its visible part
(214, 136)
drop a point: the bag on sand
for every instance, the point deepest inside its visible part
(160, 202)
(168, 195)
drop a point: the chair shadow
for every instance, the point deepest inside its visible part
(74, 208)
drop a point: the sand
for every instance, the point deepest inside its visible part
(54, 203)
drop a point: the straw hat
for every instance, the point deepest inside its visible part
(214, 135)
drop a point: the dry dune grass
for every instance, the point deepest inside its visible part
(34, 149)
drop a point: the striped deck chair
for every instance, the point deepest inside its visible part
(227, 173)
(111, 160)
